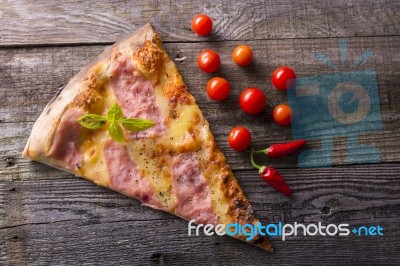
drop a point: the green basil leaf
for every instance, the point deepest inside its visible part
(115, 113)
(116, 132)
(92, 121)
(136, 124)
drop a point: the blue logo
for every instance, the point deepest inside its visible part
(340, 104)
(249, 231)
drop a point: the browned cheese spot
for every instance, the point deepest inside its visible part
(178, 95)
(149, 59)
(91, 99)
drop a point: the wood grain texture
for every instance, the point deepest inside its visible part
(68, 220)
(31, 77)
(49, 217)
(74, 21)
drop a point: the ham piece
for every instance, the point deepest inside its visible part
(191, 190)
(65, 146)
(125, 176)
(136, 97)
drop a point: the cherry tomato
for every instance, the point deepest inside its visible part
(202, 24)
(218, 88)
(283, 78)
(239, 139)
(209, 61)
(282, 114)
(242, 55)
(252, 100)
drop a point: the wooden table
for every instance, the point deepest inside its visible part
(49, 217)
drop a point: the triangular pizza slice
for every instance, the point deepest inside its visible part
(174, 166)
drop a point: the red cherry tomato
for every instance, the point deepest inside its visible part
(209, 61)
(242, 55)
(218, 88)
(202, 24)
(239, 138)
(252, 100)
(282, 114)
(283, 78)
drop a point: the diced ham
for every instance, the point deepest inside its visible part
(136, 96)
(125, 176)
(191, 190)
(65, 146)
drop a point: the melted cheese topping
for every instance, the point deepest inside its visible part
(186, 131)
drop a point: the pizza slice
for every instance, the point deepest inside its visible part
(174, 166)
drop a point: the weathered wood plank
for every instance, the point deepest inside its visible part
(44, 22)
(344, 190)
(31, 77)
(15, 135)
(138, 243)
(69, 221)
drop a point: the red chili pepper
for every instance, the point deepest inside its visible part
(275, 180)
(272, 177)
(283, 149)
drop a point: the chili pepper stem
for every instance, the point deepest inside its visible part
(264, 151)
(259, 167)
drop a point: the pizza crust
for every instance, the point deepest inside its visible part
(43, 130)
